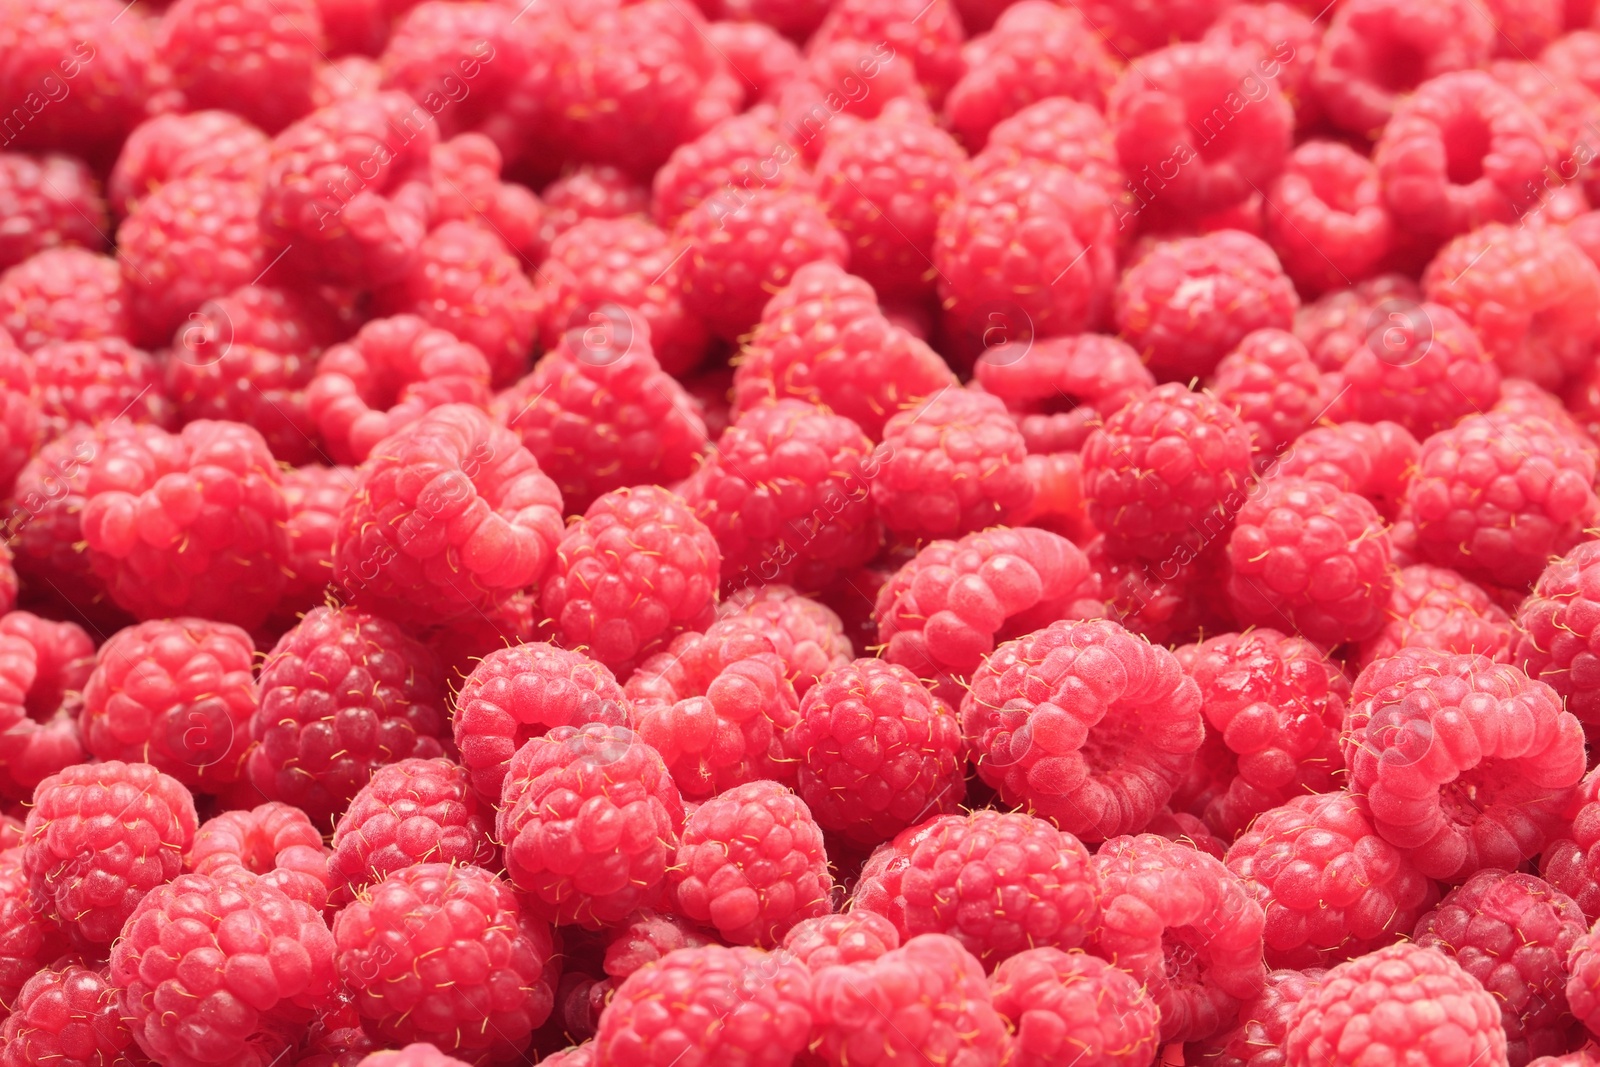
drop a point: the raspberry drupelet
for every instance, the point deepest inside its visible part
(207, 143)
(273, 841)
(1434, 607)
(1375, 461)
(315, 495)
(1133, 27)
(1062, 388)
(1063, 1004)
(457, 60)
(1326, 217)
(43, 668)
(808, 635)
(843, 937)
(66, 1015)
(65, 294)
(52, 200)
(1062, 131)
(590, 192)
(1263, 1021)
(1032, 884)
(1555, 637)
(1276, 388)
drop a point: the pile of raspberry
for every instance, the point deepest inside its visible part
(799, 533)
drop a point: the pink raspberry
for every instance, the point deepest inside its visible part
(29, 939)
(23, 426)
(347, 190)
(315, 496)
(447, 955)
(452, 515)
(416, 1054)
(930, 987)
(1512, 932)
(1190, 302)
(808, 635)
(1569, 862)
(66, 1015)
(1031, 244)
(1555, 638)
(43, 526)
(589, 818)
(1495, 496)
(929, 34)
(1434, 607)
(878, 752)
(218, 144)
(737, 1006)
(188, 523)
(1263, 1021)
(98, 838)
(465, 280)
(1062, 131)
(764, 58)
(1167, 602)
(51, 200)
(409, 812)
(645, 938)
(273, 841)
(1282, 39)
(254, 57)
(1030, 884)
(635, 571)
(1326, 217)
(599, 266)
(65, 294)
(1463, 761)
(96, 381)
(803, 104)
(1185, 926)
(177, 694)
(846, 937)
(1518, 396)
(585, 1054)
(520, 692)
(1374, 461)
(737, 156)
(1276, 389)
(1404, 1002)
(43, 668)
(467, 188)
(1070, 1004)
(590, 192)
(457, 60)
(1063, 387)
(1135, 26)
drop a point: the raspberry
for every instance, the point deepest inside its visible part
(1464, 762)
(1434, 607)
(385, 377)
(315, 496)
(1184, 925)
(1567, 863)
(188, 523)
(930, 987)
(1070, 1003)
(1326, 217)
(807, 635)
(1519, 396)
(1282, 39)
(1141, 25)
(737, 1006)
(727, 162)
(1554, 635)
(67, 1015)
(517, 693)
(98, 838)
(416, 1054)
(447, 955)
(1495, 496)
(23, 426)
(64, 294)
(998, 882)
(342, 694)
(464, 279)
(97, 381)
(273, 841)
(803, 105)
(177, 694)
(599, 413)
(199, 144)
(44, 666)
(457, 60)
(50, 200)
(635, 571)
(764, 59)
(930, 35)
(599, 266)
(582, 1055)
(255, 57)
(717, 706)
(347, 190)
(451, 515)
(1058, 130)
(1276, 389)
(1404, 1003)
(878, 752)
(1264, 1020)
(1031, 244)
(1512, 932)
(589, 817)
(847, 937)
(1168, 602)
(739, 257)
(590, 192)
(1528, 292)
(1035, 51)
(1063, 387)
(1375, 461)
(28, 939)
(43, 525)
(1190, 302)
(467, 188)
(409, 812)
(824, 339)
(645, 938)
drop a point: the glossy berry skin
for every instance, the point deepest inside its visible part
(1374, 460)
(67, 1014)
(274, 842)
(1058, 1001)
(1555, 642)
(43, 668)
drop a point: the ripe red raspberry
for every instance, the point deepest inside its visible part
(409, 812)
(764, 59)
(273, 841)
(457, 60)
(465, 280)
(1528, 292)
(23, 426)
(216, 144)
(1184, 925)
(29, 940)
(1063, 387)
(590, 192)
(808, 635)
(1518, 396)
(1374, 461)
(1070, 1004)
(1326, 217)
(517, 693)
(1584, 966)
(601, 265)
(585, 1054)
(1569, 862)
(646, 938)
(347, 190)
(96, 381)
(803, 105)
(467, 188)
(1512, 932)
(1263, 1021)
(65, 294)
(315, 496)
(825, 339)
(98, 838)
(1061, 131)
(931, 987)
(1434, 607)
(416, 1054)
(174, 693)
(740, 154)
(589, 818)
(737, 1006)
(1167, 602)
(1030, 247)
(66, 1015)
(1555, 636)
(1029, 884)
(846, 937)
(1190, 302)
(1463, 761)
(342, 694)
(44, 666)
(878, 752)
(1135, 26)
(50, 200)
(741, 253)
(1282, 39)
(1276, 389)
(447, 955)
(929, 34)
(452, 515)
(1495, 496)
(42, 522)
(635, 571)
(1402, 1003)
(717, 706)
(255, 57)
